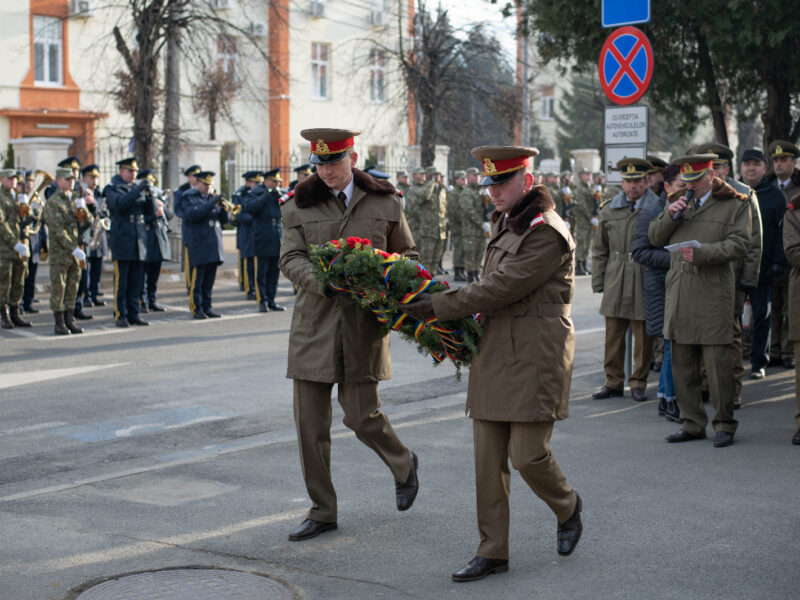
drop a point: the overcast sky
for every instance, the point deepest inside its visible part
(465, 12)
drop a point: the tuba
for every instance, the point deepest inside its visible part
(98, 227)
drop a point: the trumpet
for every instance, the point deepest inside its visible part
(228, 206)
(98, 227)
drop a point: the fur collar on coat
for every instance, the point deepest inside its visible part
(537, 200)
(313, 191)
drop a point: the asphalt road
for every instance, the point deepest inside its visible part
(174, 445)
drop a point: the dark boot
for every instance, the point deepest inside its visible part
(579, 270)
(4, 322)
(673, 413)
(69, 320)
(470, 276)
(459, 274)
(61, 329)
(16, 319)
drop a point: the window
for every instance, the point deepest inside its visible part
(47, 50)
(226, 54)
(320, 81)
(546, 108)
(377, 76)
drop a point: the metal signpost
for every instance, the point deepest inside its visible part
(616, 13)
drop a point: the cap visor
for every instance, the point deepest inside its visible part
(692, 176)
(495, 179)
(326, 159)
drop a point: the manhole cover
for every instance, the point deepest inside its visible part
(193, 584)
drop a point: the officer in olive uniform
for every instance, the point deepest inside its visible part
(157, 248)
(62, 213)
(263, 205)
(454, 222)
(243, 222)
(472, 225)
(787, 179)
(127, 204)
(14, 251)
(177, 207)
(428, 202)
(791, 245)
(701, 292)
(204, 217)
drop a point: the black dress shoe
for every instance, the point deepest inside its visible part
(684, 436)
(211, 314)
(251, 296)
(100, 294)
(638, 394)
(722, 439)
(199, 315)
(263, 307)
(310, 529)
(407, 492)
(157, 307)
(606, 392)
(796, 438)
(137, 321)
(30, 309)
(121, 323)
(788, 363)
(275, 307)
(79, 314)
(774, 362)
(479, 568)
(569, 532)
(97, 302)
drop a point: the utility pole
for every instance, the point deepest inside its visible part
(170, 174)
(526, 95)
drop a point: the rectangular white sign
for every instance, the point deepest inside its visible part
(626, 125)
(614, 154)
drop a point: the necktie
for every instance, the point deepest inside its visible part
(783, 185)
(342, 197)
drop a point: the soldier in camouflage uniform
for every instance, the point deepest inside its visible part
(440, 195)
(426, 200)
(583, 212)
(454, 221)
(14, 252)
(66, 258)
(471, 204)
(412, 204)
(402, 183)
(551, 181)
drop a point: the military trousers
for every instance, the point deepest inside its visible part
(687, 373)
(428, 252)
(152, 271)
(200, 286)
(583, 241)
(64, 280)
(440, 249)
(362, 414)
(248, 274)
(528, 446)
(759, 346)
(127, 287)
(474, 249)
(83, 288)
(458, 251)
(12, 280)
(614, 362)
(30, 284)
(780, 347)
(267, 273)
(95, 274)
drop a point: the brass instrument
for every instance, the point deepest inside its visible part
(228, 206)
(98, 227)
(41, 180)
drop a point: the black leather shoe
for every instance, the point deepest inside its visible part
(638, 394)
(737, 402)
(199, 315)
(82, 316)
(796, 438)
(263, 307)
(100, 294)
(211, 314)
(96, 302)
(251, 296)
(673, 413)
(157, 307)
(480, 568)
(121, 323)
(407, 492)
(137, 321)
(310, 529)
(657, 367)
(774, 361)
(30, 309)
(569, 532)
(788, 363)
(722, 439)
(275, 307)
(606, 392)
(684, 436)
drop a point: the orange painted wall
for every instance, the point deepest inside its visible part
(279, 82)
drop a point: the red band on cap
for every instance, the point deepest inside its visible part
(692, 168)
(498, 167)
(323, 147)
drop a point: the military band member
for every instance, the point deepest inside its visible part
(37, 240)
(90, 175)
(243, 221)
(519, 382)
(264, 206)
(157, 249)
(701, 292)
(177, 207)
(127, 203)
(86, 188)
(333, 341)
(14, 250)
(429, 201)
(204, 217)
(619, 279)
(63, 213)
(302, 173)
(791, 244)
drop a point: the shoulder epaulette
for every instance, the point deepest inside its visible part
(537, 220)
(286, 197)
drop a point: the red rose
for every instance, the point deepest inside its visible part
(365, 242)
(445, 284)
(423, 274)
(352, 241)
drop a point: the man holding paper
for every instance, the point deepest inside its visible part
(709, 227)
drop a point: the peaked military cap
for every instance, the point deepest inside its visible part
(377, 174)
(273, 174)
(72, 162)
(584, 171)
(418, 170)
(305, 169)
(8, 173)
(193, 170)
(254, 176)
(90, 170)
(206, 177)
(431, 170)
(329, 146)
(500, 163)
(401, 174)
(146, 174)
(472, 171)
(29, 176)
(694, 166)
(724, 154)
(657, 163)
(633, 168)
(65, 172)
(780, 148)
(459, 174)
(128, 163)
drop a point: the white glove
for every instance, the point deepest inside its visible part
(79, 254)
(594, 221)
(21, 249)
(80, 203)
(486, 227)
(22, 198)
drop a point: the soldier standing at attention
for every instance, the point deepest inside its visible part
(427, 206)
(519, 382)
(791, 245)
(177, 206)
(701, 292)
(14, 252)
(333, 341)
(244, 235)
(264, 207)
(471, 204)
(157, 250)
(90, 175)
(787, 179)
(620, 280)
(439, 217)
(402, 182)
(127, 203)
(583, 214)
(411, 207)
(454, 220)
(66, 257)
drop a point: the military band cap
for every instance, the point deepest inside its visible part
(472, 171)
(206, 177)
(401, 174)
(21, 174)
(432, 170)
(128, 163)
(459, 175)
(30, 176)
(273, 174)
(147, 174)
(329, 145)
(375, 172)
(304, 169)
(780, 148)
(633, 168)
(724, 154)
(753, 154)
(72, 162)
(253, 176)
(8, 173)
(500, 163)
(418, 171)
(92, 170)
(657, 163)
(694, 166)
(65, 172)
(193, 170)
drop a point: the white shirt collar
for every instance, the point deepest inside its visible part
(704, 198)
(783, 183)
(348, 191)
